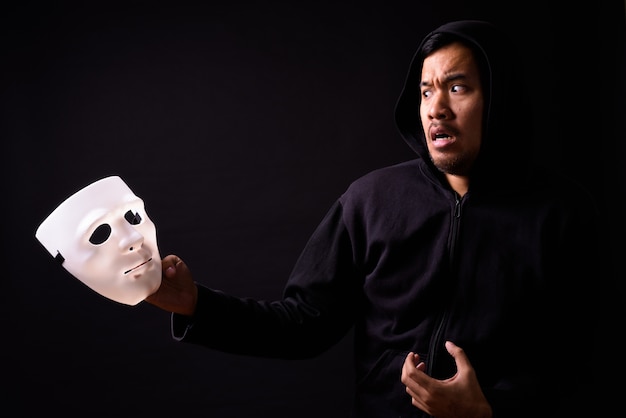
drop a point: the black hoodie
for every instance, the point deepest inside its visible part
(407, 264)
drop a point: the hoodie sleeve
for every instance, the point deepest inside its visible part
(315, 312)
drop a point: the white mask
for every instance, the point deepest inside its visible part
(103, 236)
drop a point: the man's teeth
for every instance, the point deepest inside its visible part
(439, 136)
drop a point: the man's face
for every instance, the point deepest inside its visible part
(107, 241)
(451, 108)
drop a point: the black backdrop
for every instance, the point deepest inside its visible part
(238, 124)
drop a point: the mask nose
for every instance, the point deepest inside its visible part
(131, 240)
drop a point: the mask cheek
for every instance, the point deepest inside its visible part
(148, 231)
(95, 265)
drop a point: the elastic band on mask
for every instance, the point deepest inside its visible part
(59, 258)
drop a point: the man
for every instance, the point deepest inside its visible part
(458, 270)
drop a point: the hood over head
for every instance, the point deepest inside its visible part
(507, 121)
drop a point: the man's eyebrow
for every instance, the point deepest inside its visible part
(455, 77)
(448, 78)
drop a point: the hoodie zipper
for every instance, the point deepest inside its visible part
(437, 339)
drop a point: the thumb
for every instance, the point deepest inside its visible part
(460, 358)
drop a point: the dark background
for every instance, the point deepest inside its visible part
(239, 124)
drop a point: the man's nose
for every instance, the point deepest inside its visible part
(439, 108)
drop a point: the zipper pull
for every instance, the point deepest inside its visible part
(457, 206)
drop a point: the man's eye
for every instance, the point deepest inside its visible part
(101, 234)
(132, 218)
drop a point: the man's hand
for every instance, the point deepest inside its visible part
(178, 292)
(457, 397)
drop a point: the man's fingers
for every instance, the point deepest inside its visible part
(169, 265)
(170, 272)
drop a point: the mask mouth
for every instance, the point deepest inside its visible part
(138, 266)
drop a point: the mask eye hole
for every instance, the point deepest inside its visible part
(101, 234)
(132, 218)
